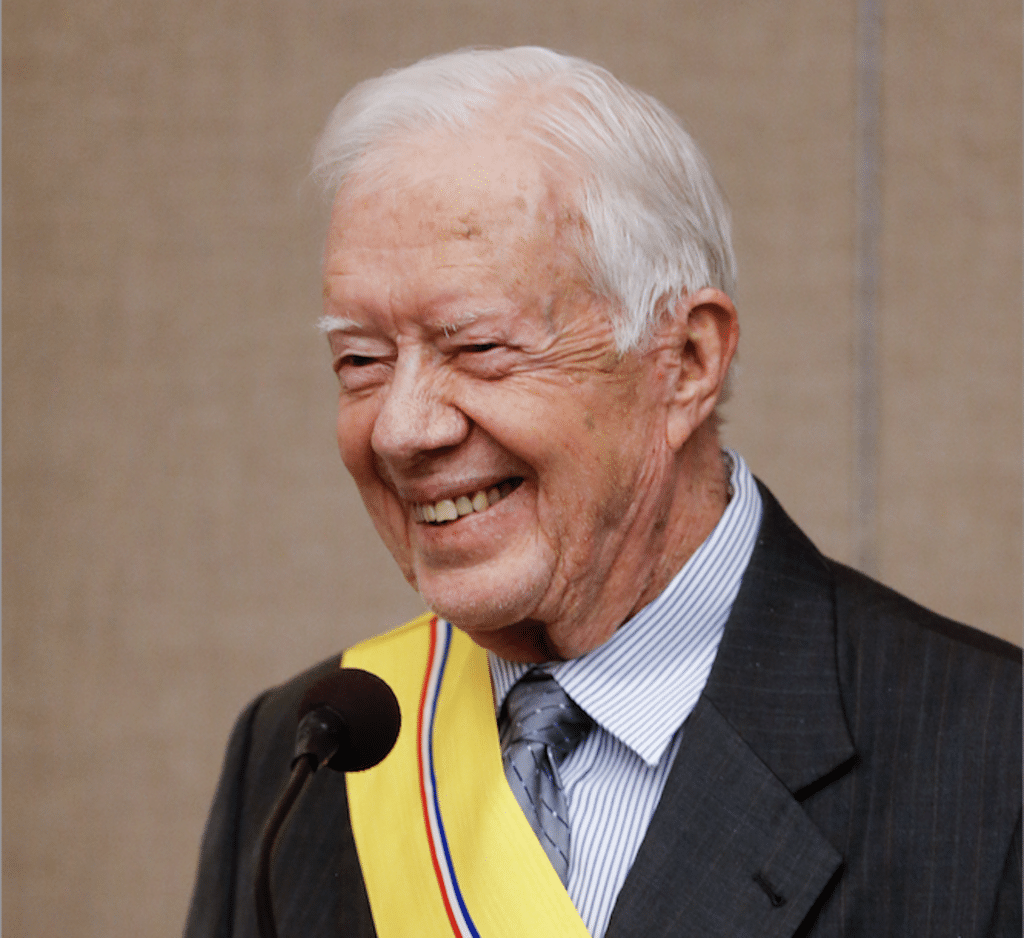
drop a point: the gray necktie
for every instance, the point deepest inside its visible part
(540, 726)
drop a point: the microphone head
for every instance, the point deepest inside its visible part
(360, 714)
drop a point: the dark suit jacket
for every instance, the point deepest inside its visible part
(853, 768)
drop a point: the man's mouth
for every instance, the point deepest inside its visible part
(451, 509)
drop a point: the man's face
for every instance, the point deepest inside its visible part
(513, 463)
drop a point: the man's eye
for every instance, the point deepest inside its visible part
(487, 360)
(355, 361)
(359, 372)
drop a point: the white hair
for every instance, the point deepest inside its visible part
(655, 223)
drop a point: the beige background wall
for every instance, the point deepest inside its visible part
(178, 532)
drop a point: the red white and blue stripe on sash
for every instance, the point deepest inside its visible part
(440, 855)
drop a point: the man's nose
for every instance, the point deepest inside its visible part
(417, 415)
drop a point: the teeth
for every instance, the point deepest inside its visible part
(449, 510)
(446, 510)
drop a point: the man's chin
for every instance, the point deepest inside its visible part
(483, 596)
(473, 619)
(501, 626)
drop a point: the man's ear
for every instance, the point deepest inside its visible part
(701, 333)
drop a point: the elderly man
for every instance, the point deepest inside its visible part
(642, 702)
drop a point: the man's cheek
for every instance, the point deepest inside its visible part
(360, 461)
(389, 519)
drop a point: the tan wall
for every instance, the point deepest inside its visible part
(178, 532)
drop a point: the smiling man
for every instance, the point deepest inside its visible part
(641, 702)
(536, 486)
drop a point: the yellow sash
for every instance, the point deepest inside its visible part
(444, 847)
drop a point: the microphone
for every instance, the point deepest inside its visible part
(348, 721)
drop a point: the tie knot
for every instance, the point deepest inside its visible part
(539, 711)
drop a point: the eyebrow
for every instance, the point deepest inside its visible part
(450, 328)
(327, 324)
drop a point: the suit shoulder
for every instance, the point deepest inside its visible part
(292, 689)
(901, 665)
(274, 713)
(863, 604)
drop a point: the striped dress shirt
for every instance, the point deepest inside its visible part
(638, 688)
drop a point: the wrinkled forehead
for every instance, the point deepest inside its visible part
(481, 182)
(441, 220)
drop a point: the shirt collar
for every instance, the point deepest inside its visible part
(645, 680)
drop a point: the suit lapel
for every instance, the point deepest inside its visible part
(730, 850)
(775, 677)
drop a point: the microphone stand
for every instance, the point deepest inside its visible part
(348, 722)
(264, 907)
